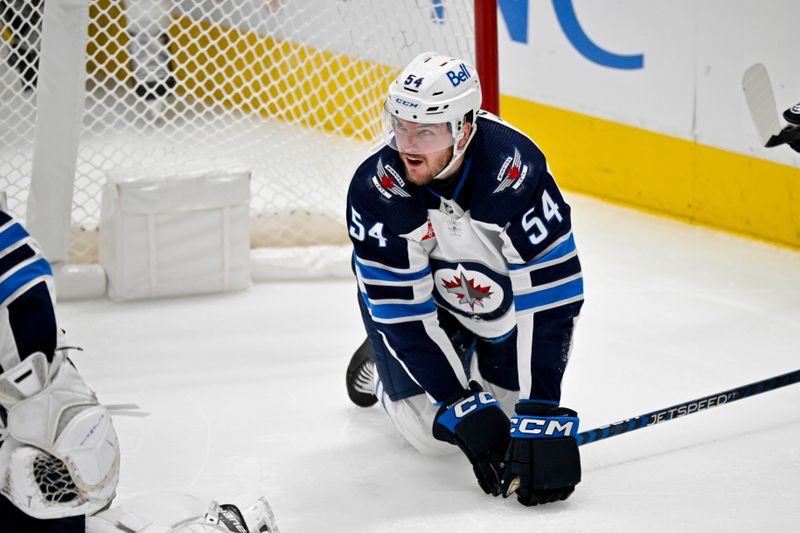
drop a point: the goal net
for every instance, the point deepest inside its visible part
(289, 89)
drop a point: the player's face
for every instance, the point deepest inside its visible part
(425, 149)
(422, 168)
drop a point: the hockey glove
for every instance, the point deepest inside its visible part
(542, 462)
(473, 420)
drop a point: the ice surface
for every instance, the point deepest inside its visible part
(247, 398)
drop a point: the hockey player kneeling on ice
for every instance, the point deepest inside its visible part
(172, 512)
(469, 286)
(59, 456)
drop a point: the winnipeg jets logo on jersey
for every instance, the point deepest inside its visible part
(512, 173)
(468, 290)
(388, 181)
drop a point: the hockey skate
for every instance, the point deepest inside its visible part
(361, 377)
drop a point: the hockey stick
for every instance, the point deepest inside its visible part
(760, 100)
(687, 408)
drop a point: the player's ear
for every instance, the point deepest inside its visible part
(462, 142)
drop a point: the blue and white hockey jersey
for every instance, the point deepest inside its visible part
(27, 297)
(492, 245)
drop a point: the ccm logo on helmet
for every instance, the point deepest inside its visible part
(405, 102)
(532, 427)
(458, 76)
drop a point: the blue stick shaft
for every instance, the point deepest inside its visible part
(687, 408)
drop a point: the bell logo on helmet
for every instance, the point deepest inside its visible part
(456, 78)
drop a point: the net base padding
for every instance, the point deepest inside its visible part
(273, 229)
(276, 253)
(88, 281)
(79, 282)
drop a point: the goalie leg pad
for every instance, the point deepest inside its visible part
(65, 437)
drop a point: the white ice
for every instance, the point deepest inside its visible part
(246, 396)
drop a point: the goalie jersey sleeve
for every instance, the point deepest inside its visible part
(388, 226)
(27, 316)
(535, 228)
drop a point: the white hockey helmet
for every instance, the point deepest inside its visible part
(434, 89)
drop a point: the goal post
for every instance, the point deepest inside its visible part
(59, 98)
(486, 54)
(290, 90)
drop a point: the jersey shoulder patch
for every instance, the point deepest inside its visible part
(380, 189)
(510, 171)
(381, 174)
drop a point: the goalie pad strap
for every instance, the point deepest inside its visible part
(24, 380)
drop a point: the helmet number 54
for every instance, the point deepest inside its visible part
(413, 80)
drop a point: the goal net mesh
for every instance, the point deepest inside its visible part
(289, 89)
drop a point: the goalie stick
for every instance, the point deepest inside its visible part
(687, 408)
(761, 103)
